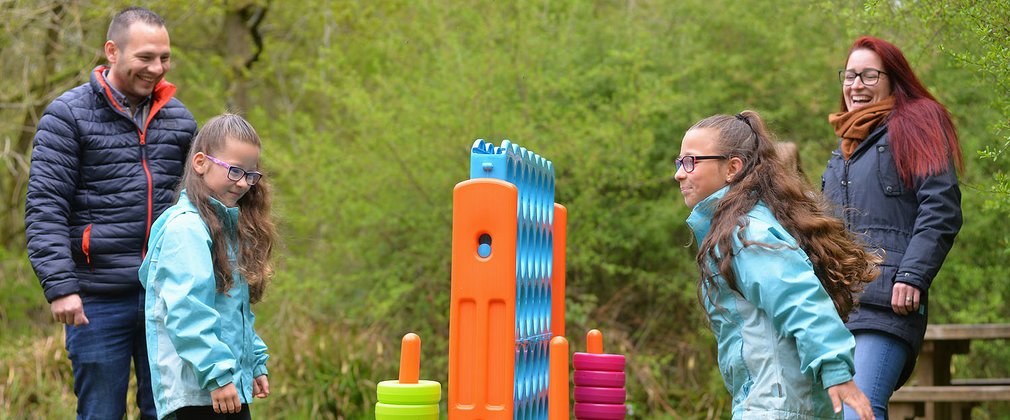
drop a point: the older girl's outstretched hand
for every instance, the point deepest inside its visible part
(261, 387)
(848, 393)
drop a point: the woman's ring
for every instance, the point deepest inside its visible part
(908, 299)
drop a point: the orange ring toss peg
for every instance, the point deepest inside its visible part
(558, 389)
(594, 342)
(410, 359)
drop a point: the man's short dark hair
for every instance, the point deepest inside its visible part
(128, 16)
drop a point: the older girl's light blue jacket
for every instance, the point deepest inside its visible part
(198, 339)
(781, 342)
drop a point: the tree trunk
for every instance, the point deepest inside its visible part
(243, 44)
(12, 217)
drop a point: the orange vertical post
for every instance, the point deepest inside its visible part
(410, 359)
(483, 297)
(594, 342)
(558, 407)
(558, 271)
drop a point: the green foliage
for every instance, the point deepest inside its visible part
(36, 378)
(21, 295)
(961, 51)
(367, 110)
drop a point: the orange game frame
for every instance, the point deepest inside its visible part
(483, 302)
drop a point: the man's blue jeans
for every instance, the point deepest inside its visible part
(100, 354)
(880, 357)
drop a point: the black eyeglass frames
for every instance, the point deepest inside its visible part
(869, 77)
(688, 162)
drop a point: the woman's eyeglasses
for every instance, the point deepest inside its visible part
(236, 174)
(868, 76)
(688, 162)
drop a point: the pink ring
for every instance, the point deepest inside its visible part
(600, 411)
(596, 378)
(602, 362)
(594, 395)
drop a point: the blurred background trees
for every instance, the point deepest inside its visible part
(367, 110)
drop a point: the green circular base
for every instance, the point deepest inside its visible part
(422, 393)
(397, 412)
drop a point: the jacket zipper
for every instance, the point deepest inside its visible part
(845, 189)
(150, 191)
(156, 105)
(245, 353)
(845, 177)
(141, 131)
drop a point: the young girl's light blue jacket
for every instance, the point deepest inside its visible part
(197, 338)
(781, 342)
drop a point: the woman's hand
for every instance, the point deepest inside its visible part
(226, 399)
(905, 298)
(848, 393)
(261, 387)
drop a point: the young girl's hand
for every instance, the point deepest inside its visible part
(261, 387)
(226, 399)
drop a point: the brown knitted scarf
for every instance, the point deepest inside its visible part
(854, 126)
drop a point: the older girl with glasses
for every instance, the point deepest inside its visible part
(778, 275)
(209, 260)
(893, 179)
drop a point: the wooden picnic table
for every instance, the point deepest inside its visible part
(931, 392)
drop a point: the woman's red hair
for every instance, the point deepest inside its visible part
(922, 134)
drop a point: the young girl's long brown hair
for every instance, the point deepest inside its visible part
(256, 231)
(840, 262)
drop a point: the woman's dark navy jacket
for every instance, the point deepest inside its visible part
(914, 227)
(97, 182)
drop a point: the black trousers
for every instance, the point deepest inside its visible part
(206, 412)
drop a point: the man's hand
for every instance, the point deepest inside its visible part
(848, 393)
(69, 310)
(261, 387)
(226, 399)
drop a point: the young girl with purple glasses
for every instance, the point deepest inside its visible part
(208, 261)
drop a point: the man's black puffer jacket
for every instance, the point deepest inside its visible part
(97, 183)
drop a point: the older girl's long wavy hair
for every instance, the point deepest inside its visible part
(841, 263)
(256, 230)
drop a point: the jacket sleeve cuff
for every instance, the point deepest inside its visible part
(216, 383)
(63, 289)
(260, 371)
(834, 374)
(911, 278)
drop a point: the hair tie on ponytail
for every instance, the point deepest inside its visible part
(745, 120)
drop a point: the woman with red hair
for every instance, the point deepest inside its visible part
(894, 182)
